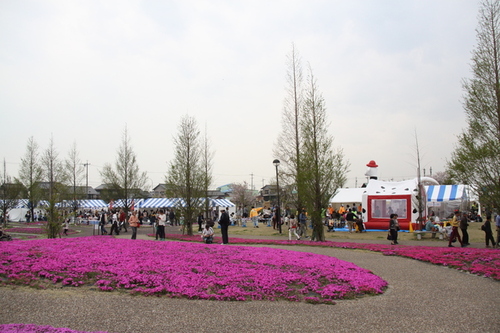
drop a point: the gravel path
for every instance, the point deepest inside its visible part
(421, 298)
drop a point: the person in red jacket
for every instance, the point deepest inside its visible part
(122, 220)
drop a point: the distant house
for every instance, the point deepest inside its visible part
(269, 193)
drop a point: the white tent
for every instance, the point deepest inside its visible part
(347, 196)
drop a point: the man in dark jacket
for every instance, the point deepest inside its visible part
(464, 223)
(224, 225)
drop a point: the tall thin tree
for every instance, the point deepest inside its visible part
(75, 171)
(31, 174)
(288, 145)
(186, 178)
(125, 181)
(56, 179)
(324, 168)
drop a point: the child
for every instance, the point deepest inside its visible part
(66, 227)
(486, 227)
(292, 227)
(208, 234)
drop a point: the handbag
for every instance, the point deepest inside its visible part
(389, 237)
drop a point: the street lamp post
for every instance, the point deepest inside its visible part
(278, 208)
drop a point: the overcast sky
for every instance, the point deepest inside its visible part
(82, 71)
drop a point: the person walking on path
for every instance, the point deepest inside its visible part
(393, 228)
(162, 221)
(102, 223)
(134, 224)
(292, 227)
(224, 225)
(114, 224)
(464, 223)
(122, 218)
(66, 227)
(303, 224)
(454, 230)
(488, 233)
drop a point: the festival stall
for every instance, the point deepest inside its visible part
(382, 199)
(347, 196)
(443, 200)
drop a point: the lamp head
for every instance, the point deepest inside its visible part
(276, 162)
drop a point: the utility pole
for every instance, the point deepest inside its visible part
(86, 165)
(251, 183)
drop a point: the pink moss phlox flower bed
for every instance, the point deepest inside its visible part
(26, 230)
(484, 262)
(31, 328)
(36, 231)
(185, 270)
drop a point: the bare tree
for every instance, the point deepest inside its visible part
(124, 181)
(323, 167)
(56, 179)
(30, 174)
(9, 194)
(242, 195)
(206, 161)
(75, 171)
(186, 177)
(287, 147)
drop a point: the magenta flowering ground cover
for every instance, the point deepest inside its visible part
(484, 262)
(31, 328)
(187, 270)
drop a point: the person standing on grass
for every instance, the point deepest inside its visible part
(224, 225)
(303, 224)
(162, 221)
(464, 223)
(497, 224)
(454, 230)
(486, 227)
(201, 219)
(134, 224)
(254, 215)
(393, 228)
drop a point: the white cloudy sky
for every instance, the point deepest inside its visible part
(81, 71)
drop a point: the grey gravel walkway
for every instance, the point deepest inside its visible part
(421, 298)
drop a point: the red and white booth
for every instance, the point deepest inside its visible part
(381, 199)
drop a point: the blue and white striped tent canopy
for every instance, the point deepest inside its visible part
(120, 203)
(85, 204)
(162, 203)
(179, 202)
(24, 203)
(222, 203)
(440, 193)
